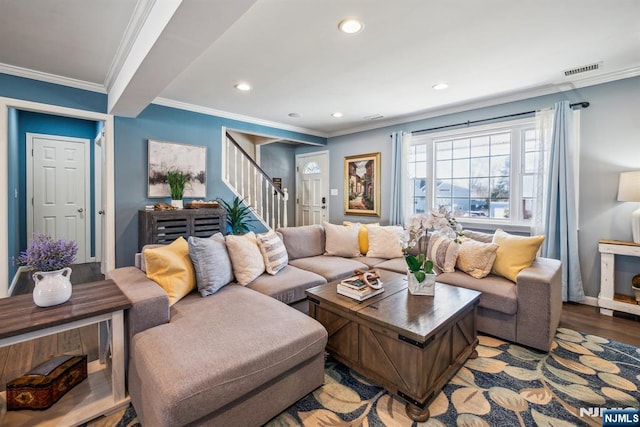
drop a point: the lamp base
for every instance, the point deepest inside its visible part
(635, 225)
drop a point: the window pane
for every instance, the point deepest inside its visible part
(531, 162)
(499, 209)
(419, 205)
(420, 187)
(443, 150)
(479, 187)
(421, 152)
(421, 170)
(499, 188)
(310, 168)
(460, 148)
(461, 168)
(443, 202)
(443, 188)
(480, 166)
(500, 166)
(460, 188)
(460, 208)
(443, 169)
(500, 144)
(411, 170)
(480, 146)
(528, 206)
(527, 186)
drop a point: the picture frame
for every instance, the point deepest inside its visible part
(165, 156)
(362, 184)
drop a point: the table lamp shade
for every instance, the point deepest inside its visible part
(629, 191)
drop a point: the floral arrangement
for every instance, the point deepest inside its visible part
(46, 254)
(442, 223)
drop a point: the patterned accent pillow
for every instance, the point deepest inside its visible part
(273, 252)
(443, 251)
(476, 258)
(246, 257)
(211, 262)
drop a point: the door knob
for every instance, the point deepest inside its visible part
(323, 207)
(80, 210)
(100, 212)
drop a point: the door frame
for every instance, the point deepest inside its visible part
(299, 187)
(87, 189)
(98, 161)
(108, 244)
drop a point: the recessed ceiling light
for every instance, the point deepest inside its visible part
(337, 114)
(350, 26)
(294, 115)
(440, 86)
(243, 86)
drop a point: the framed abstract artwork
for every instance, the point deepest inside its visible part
(362, 184)
(166, 156)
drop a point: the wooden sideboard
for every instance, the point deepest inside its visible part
(166, 226)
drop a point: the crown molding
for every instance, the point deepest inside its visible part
(51, 78)
(233, 116)
(138, 18)
(491, 101)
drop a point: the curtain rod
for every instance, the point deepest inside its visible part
(582, 104)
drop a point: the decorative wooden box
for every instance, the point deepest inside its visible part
(45, 384)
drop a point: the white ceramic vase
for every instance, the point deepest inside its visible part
(426, 287)
(178, 204)
(52, 287)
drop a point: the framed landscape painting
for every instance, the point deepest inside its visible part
(166, 156)
(362, 184)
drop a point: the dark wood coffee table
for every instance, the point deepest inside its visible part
(411, 345)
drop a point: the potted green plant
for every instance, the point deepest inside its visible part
(177, 181)
(238, 215)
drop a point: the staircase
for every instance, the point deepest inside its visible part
(249, 182)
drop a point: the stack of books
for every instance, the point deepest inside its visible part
(355, 288)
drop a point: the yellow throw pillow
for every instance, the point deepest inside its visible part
(514, 253)
(363, 235)
(170, 267)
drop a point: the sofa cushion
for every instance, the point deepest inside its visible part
(384, 242)
(399, 265)
(443, 251)
(479, 236)
(363, 234)
(331, 268)
(514, 254)
(476, 258)
(188, 381)
(498, 293)
(303, 241)
(171, 268)
(288, 285)
(370, 261)
(211, 262)
(245, 256)
(273, 252)
(341, 240)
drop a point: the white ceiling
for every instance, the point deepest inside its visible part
(190, 53)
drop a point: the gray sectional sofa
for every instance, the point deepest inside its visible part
(243, 355)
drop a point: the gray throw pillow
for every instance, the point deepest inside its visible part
(211, 262)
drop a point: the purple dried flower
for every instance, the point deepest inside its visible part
(46, 254)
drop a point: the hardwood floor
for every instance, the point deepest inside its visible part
(18, 359)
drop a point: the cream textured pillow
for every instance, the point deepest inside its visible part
(476, 258)
(341, 240)
(514, 254)
(443, 251)
(273, 252)
(384, 241)
(245, 256)
(170, 267)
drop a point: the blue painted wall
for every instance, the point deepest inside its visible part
(30, 122)
(173, 125)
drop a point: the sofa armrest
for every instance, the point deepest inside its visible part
(539, 294)
(150, 303)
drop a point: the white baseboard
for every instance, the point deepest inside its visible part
(590, 301)
(14, 282)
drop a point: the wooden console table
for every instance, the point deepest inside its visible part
(606, 300)
(104, 389)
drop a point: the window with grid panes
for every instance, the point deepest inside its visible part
(488, 174)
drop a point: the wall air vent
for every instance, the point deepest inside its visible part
(374, 117)
(582, 69)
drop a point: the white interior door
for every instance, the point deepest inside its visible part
(312, 188)
(59, 185)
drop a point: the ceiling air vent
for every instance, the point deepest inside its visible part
(582, 69)
(374, 117)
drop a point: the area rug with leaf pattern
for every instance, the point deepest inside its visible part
(506, 385)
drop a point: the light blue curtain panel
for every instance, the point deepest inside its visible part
(396, 209)
(561, 237)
